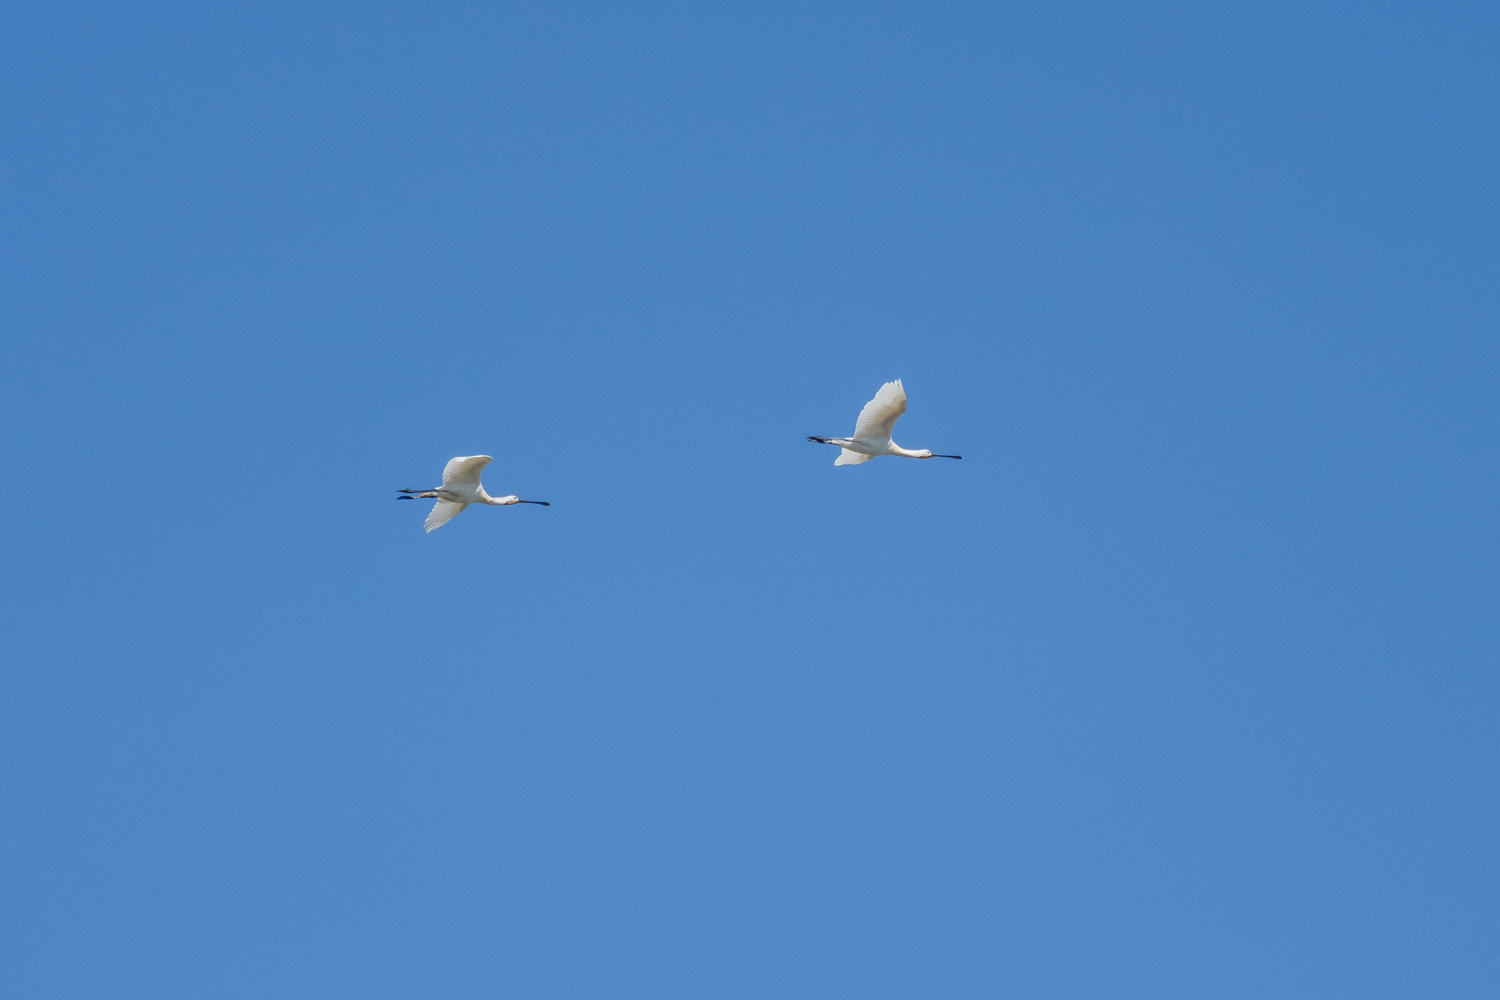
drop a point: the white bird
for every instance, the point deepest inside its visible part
(460, 488)
(872, 432)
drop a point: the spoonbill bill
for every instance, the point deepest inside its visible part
(460, 488)
(872, 431)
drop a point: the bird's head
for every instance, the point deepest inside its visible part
(927, 453)
(504, 501)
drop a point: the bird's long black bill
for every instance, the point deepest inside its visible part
(947, 456)
(540, 502)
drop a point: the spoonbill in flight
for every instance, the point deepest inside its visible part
(872, 431)
(460, 488)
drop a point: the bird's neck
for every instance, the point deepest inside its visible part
(895, 449)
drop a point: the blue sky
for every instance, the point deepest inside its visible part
(1181, 684)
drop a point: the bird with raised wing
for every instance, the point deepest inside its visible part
(872, 431)
(460, 488)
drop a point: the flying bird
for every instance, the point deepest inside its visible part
(460, 488)
(872, 432)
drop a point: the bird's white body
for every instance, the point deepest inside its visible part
(872, 431)
(460, 488)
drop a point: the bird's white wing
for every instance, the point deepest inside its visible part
(847, 457)
(879, 415)
(464, 470)
(442, 512)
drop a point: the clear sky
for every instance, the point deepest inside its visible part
(1181, 684)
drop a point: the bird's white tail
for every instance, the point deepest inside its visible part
(847, 457)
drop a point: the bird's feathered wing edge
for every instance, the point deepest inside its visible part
(847, 457)
(464, 470)
(878, 417)
(442, 512)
